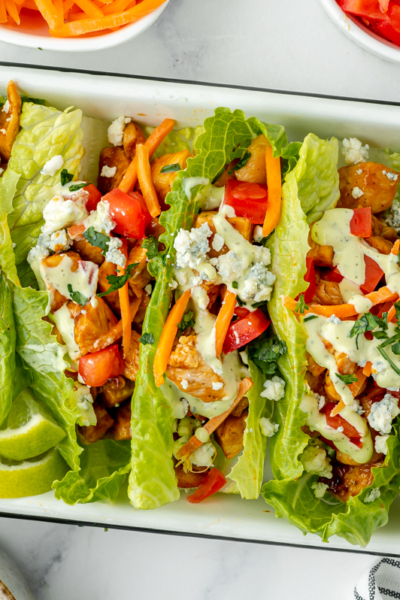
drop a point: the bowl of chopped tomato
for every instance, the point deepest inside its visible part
(372, 24)
(76, 25)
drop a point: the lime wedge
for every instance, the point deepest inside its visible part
(30, 477)
(29, 429)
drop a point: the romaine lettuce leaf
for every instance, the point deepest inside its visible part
(104, 466)
(152, 480)
(45, 132)
(7, 348)
(8, 188)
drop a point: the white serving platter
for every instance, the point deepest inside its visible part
(149, 102)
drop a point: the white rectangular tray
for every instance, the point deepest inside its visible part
(150, 101)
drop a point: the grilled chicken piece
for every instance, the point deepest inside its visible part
(187, 365)
(379, 243)
(131, 361)
(9, 122)
(348, 481)
(321, 255)
(112, 157)
(91, 323)
(379, 227)
(378, 190)
(345, 459)
(316, 383)
(57, 299)
(122, 426)
(241, 224)
(229, 434)
(112, 299)
(243, 404)
(116, 390)
(328, 293)
(140, 276)
(190, 479)
(344, 364)
(133, 135)
(314, 368)
(89, 252)
(139, 317)
(93, 433)
(163, 181)
(254, 170)
(155, 228)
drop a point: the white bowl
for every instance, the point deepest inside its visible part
(41, 38)
(360, 34)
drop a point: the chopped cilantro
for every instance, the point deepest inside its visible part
(118, 281)
(77, 296)
(301, 305)
(33, 100)
(235, 285)
(310, 318)
(147, 338)
(97, 239)
(347, 379)
(151, 245)
(78, 186)
(241, 163)
(369, 322)
(240, 301)
(187, 321)
(65, 177)
(171, 168)
(265, 352)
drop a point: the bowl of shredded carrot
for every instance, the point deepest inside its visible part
(75, 25)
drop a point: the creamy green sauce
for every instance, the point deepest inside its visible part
(83, 280)
(66, 326)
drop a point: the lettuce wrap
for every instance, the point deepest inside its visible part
(152, 480)
(311, 188)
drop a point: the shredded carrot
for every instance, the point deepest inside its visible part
(123, 294)
(91, 25)
(49, 13)
(168, 336)
(89, 8)
(224, 320)
(76, 231)
(396, 247)
(391, 314)
(343, 311)
(30, 4)
(211, 425)
(153, 141)
(3, 12)
(115, 333)
(367, 370)
(274, 183)
(145, 180)
(13, 11)
(116, 6)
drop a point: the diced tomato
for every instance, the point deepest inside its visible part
(310, 278)
(389, 32)
(368, 9)
(373, 275)
(94, 197)
(361, 222)
(213, 482)
(249, 200)
(333, 275)
(368, 336)
(338, 421)
(96, 368)
(245, 330)
(129, 213)
(240, 311)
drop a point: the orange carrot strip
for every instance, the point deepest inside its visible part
(3, 12)
(76, 230)
(391, 314)
(18, 2)
(77, 16)
(146, 181)
(30, 4)
(107, 22)
(211, 425)
(224, 320)
(342, 311)
(355, 390)
(59, 7)
(89, 8)
(123, 294)
(367, 370)
(13, 11)
(168, 336)
(115, 7)
(115, 333)
(274, 183)
(396, 247)
(153, 141)
(68, 4)
(49, 13)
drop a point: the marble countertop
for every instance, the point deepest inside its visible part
(285, 45)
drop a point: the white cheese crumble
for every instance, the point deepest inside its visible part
(230, 266)
(319, 489)
(6, 106)
(316, 461)
(115, 132)
(203, 456)
(53, 165)
(257, 285)
(381, 444)
(218, 242)
(354, 152)
(392, 215)
(374, 494)
(191, 246)
(217, 385)
(359, 171)
(100, 219)
(274, 389)
(108, 171)
(382, 414)
(268, 428)
(390, 175)
(258, 234)
(60, 213)
(185, 384)
(321, 401)
(148, 289)
(113, 254)
(357, 193)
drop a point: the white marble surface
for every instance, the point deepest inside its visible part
(284, 44)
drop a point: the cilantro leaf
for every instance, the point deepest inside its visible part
(97, 239)
(242, 162)
(118, 281)
(33, 100)
(386, 357)
(265, 352)
(301, 305)
(171, 168)
(396, 348)
(151, 245)
(310, 318)
(65, 177)
(235, 285)
(187, 321)
(78, 186)
(369, 322)
(347, 378)
(77, 296)
(147, 338)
